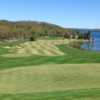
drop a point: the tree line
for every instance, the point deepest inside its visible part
(32, 30)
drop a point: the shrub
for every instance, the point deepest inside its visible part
(32, 39)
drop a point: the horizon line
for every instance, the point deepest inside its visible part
(41, 21)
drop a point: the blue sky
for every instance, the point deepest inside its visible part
(66, 13)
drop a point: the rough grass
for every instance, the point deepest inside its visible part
(40, 47)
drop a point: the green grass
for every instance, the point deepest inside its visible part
(72, 56)
(52, 38)
(51, 82)
(82, 94)
(65, 77)
(52, 77)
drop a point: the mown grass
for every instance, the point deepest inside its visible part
(66, 82)
(82, 94)
(53, 77)
(51, 82)
(72, 56)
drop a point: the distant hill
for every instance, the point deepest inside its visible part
(26, 29)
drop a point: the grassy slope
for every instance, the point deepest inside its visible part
(46, 82)
(84, 78)
(50, 78)
(72, 55)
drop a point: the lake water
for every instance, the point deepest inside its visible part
(93, 45)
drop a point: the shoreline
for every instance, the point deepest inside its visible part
(77, 43)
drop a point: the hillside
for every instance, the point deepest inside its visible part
(26, 29)
(40, 47)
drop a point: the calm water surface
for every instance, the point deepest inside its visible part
(93, 45)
